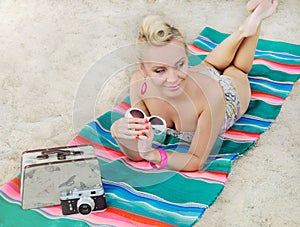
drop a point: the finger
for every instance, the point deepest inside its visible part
(142, 137)
(134, 133)
(138, 126)
(137, 120)
(127, 137)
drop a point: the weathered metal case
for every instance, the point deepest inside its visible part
(45, 173)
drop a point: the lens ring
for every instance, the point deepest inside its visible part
(158, 124)
(136, 113)
(84, 209)
(154, 120)
(85, 205)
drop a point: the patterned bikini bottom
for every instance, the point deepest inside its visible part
(232, 102)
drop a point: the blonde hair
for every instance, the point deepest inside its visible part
(155, 31)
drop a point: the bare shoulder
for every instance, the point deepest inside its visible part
(206, 89)
(197, 67)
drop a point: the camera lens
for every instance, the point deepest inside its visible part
(85, 205)
(84, 209)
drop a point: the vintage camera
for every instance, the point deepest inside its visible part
(47, 172)
(83, 201)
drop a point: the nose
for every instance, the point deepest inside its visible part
(173, 75)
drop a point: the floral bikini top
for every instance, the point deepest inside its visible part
(185, 136)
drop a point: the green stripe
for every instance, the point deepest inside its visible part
(108, 118)
(231, 147)
(273, 58)
(249, 128)
(263, 110)
(168, 185)
(263, 44)
(263, 71)
(12, 215)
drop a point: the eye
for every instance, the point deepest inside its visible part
(180, 65)
(159, 71)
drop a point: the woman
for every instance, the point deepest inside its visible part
(192, 101)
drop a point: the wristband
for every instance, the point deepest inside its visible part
(164, 160)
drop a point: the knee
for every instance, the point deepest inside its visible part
(244, 69)
(234, 71)
(218, 65)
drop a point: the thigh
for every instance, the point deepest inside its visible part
(242, 85)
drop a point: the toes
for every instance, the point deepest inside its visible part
(275, 4)
(252, 4)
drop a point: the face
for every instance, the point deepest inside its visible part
(167, 67)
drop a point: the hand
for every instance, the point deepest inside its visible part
(130, 128)
(145, 147)
(127, 131)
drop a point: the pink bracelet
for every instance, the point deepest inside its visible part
(164, 160)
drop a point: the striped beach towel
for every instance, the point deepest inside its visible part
(136, 194)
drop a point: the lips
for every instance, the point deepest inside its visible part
(174, 87)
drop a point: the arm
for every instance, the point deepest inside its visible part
(203, 141)
(125, 130)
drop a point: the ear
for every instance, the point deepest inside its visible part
(143, 70)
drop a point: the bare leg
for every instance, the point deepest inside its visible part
(264, 9)
(223, 54)
(235, 49)
(244, 57)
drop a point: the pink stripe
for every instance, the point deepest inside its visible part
(104, 217)
(288, 68)
(122, 107)
(241, 136)
(107, 154)
(275, 100)
(53, 212)
(197, 50)
(11, 190)
(291, 69)
(204, 175)
(101, 151)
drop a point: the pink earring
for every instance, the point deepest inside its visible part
(144, 88)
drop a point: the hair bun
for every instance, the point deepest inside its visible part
(160, 33)
(155, 30)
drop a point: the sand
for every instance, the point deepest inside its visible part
(49, 46)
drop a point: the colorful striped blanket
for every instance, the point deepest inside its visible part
(136, 194)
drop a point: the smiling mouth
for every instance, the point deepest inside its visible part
(174, 87)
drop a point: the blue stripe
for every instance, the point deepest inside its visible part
(170, 213)
(277, 54)
(261, 123)
(279, 86)
(257, 52)
(124, 192)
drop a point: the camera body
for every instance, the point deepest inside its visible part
(83, 201)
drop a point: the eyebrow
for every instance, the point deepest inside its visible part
(161, 66)
(179, 60)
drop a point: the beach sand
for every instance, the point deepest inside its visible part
(49, 46)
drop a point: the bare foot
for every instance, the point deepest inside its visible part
(265, 9)
(252, 4)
